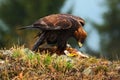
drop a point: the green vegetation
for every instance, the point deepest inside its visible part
(20, 63)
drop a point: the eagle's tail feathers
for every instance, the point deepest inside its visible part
(39, 41)
(28, 27)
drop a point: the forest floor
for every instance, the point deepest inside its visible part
(19, 63)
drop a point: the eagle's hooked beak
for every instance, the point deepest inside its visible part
(80, 44)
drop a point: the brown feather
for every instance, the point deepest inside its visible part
(53, 22)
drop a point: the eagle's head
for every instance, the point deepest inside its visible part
(80, 35)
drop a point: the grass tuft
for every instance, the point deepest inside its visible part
(20, 63)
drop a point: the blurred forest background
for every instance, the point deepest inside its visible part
(18, 13)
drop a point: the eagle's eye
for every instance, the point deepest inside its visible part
(82, 23)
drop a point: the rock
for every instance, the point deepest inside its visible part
(5, 52)
(88, 71)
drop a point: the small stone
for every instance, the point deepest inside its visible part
(2, 62)
(88, 71)
(5, 52)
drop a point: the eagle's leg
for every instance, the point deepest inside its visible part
(61, 46)
(39, 41)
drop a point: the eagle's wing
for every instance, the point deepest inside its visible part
(78, 19)
(53, 22)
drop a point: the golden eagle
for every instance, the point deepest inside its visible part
(57, 29)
